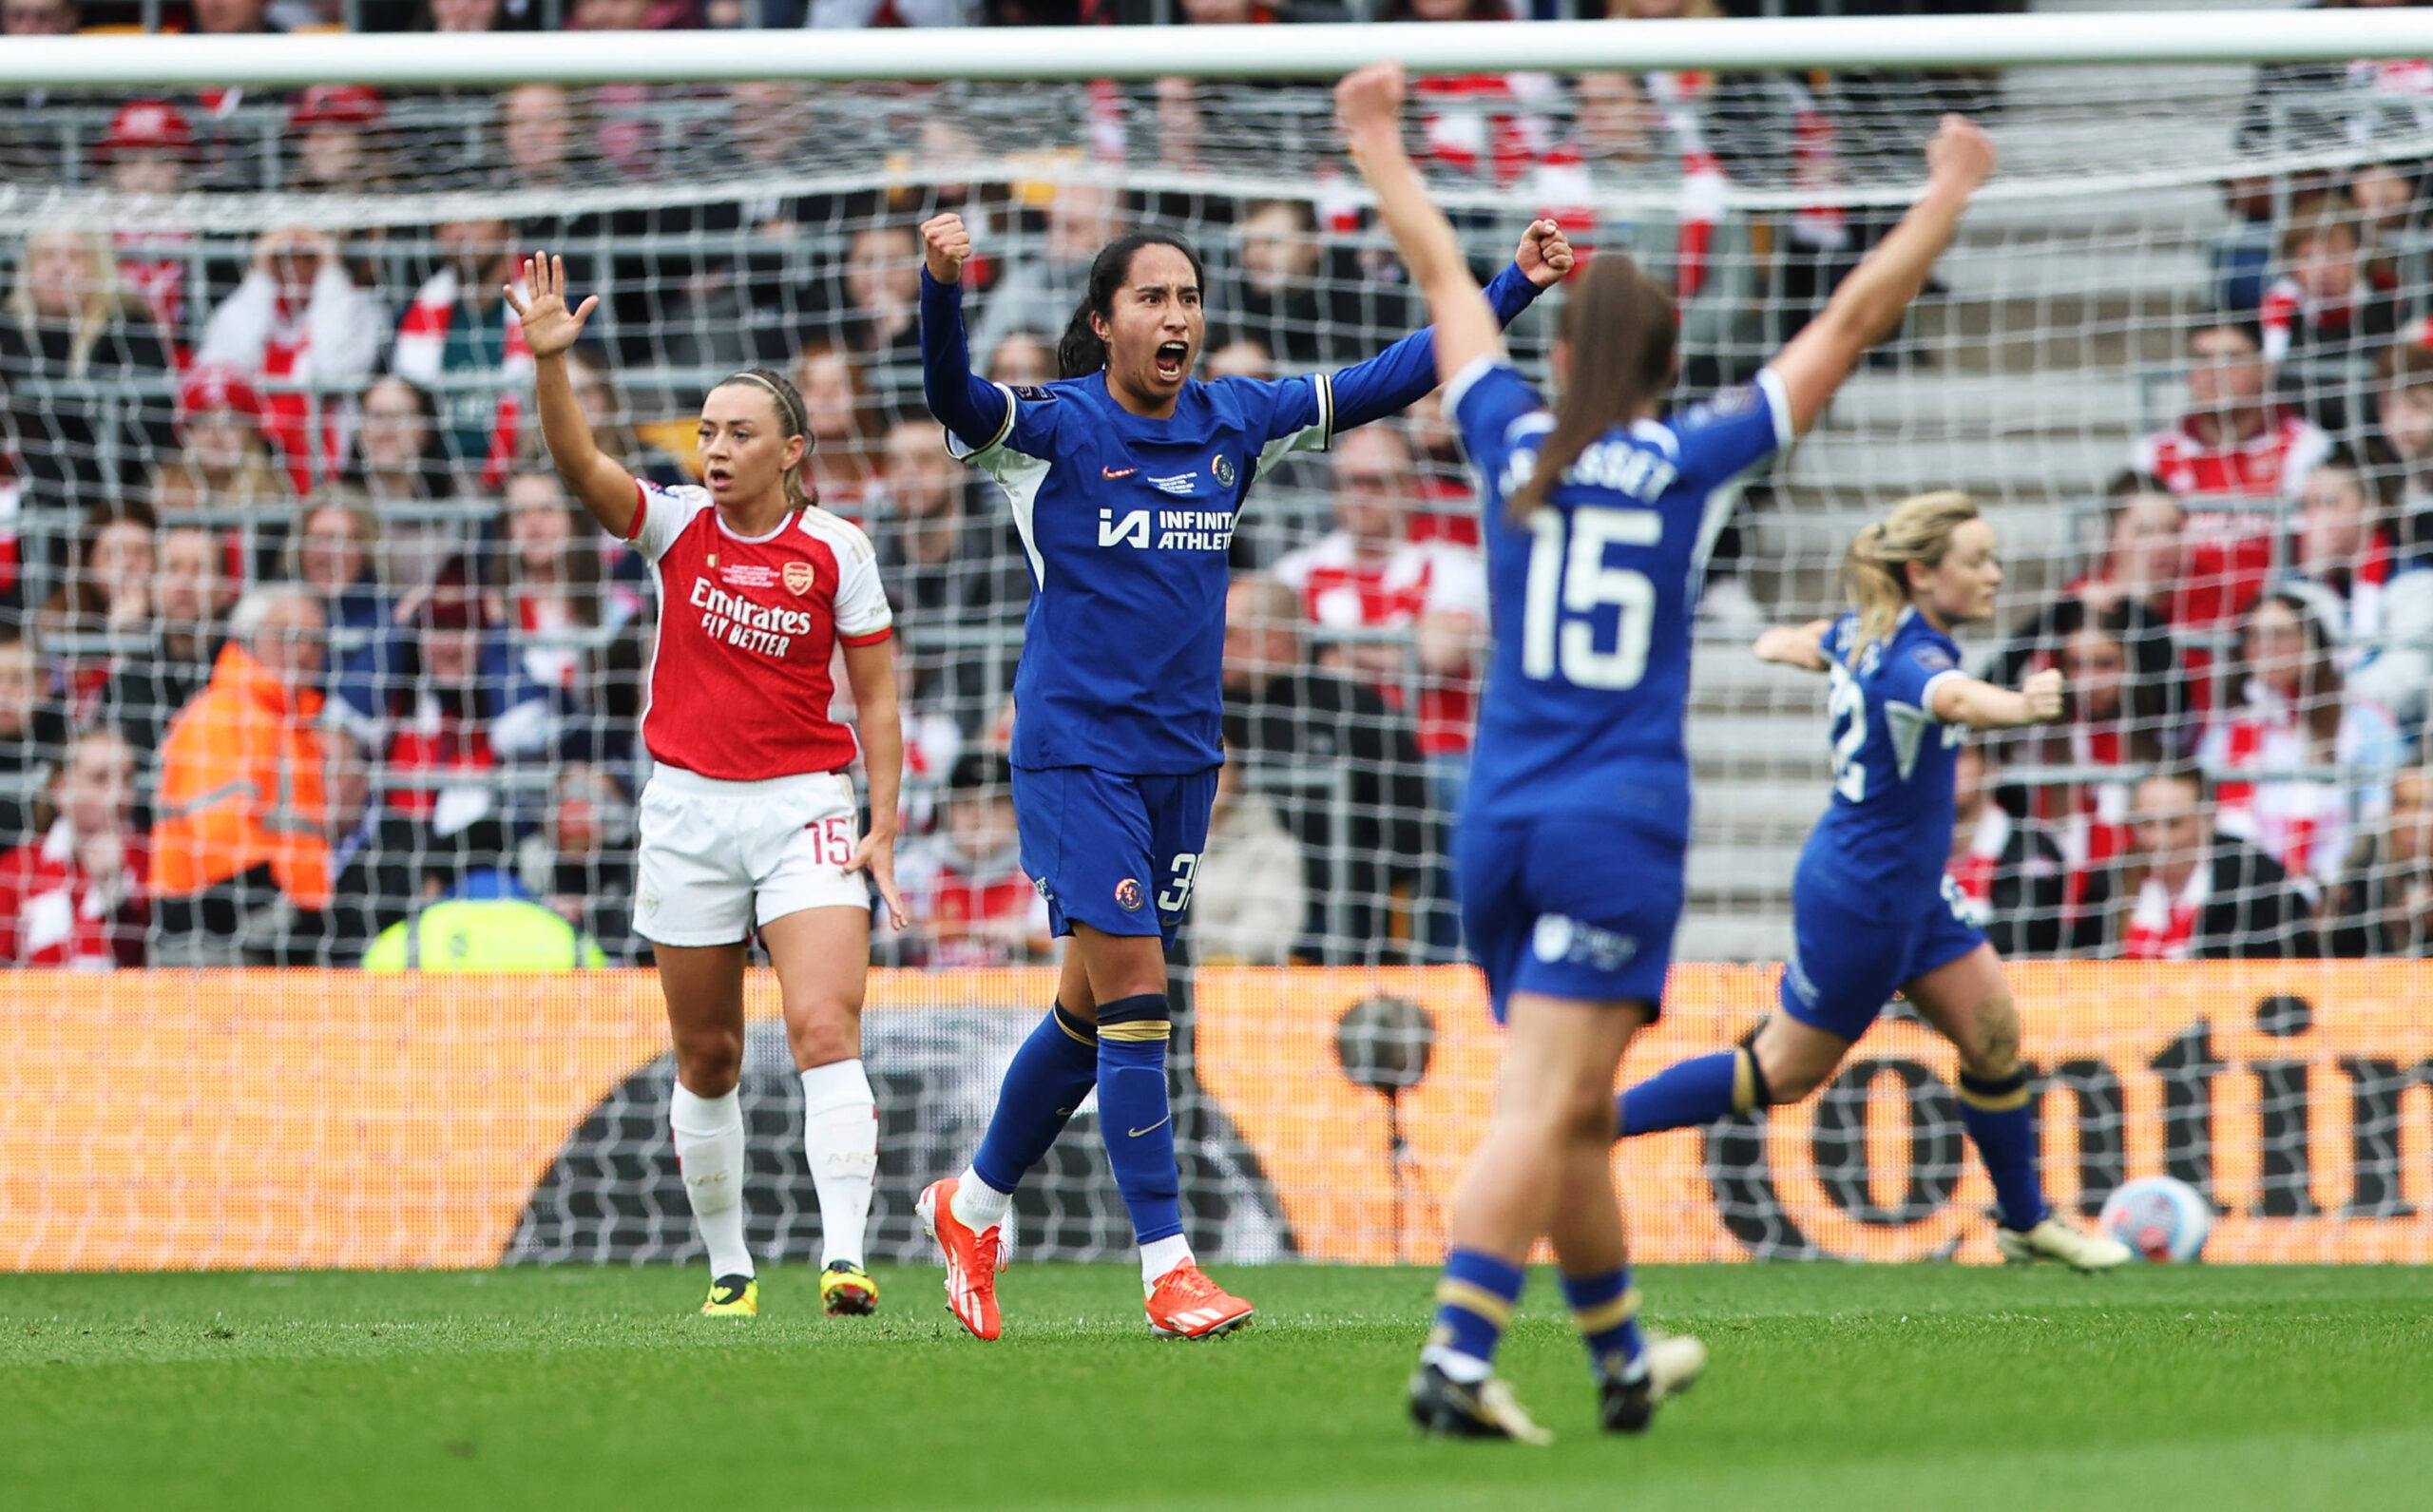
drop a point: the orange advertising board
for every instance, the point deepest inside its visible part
(2299, 1095)
(302, 1119)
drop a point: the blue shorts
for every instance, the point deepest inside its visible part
(1846, 965)
(1113, 851)
(1571, 907)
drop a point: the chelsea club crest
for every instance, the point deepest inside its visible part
(1223, 470)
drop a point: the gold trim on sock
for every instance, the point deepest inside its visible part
(1744, 1079)
(1472, 1297)
(1606, 1316)
(1994, 1103)
(1066, 1022)
(1139, 1031)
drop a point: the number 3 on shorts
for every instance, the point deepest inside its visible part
(833, 836)
(1177, 896)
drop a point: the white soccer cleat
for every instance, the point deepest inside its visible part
(1445, 1409)
(2056, 1240)
(1674, 1361)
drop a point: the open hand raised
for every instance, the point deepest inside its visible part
(549, 326)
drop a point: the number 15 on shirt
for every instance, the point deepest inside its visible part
(1570, 585)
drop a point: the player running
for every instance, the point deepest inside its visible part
(1872, 910)
(749, 818)
(1599, 518)
(1126, 477)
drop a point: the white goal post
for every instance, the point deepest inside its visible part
(1299, 52)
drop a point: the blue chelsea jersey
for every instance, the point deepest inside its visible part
(1592, 595)
(1888, 833)
(1127, 522)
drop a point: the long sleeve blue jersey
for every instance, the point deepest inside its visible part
(1126, 522)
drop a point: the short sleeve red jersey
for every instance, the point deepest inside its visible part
(740, 679)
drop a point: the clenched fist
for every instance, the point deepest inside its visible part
(2043, 695)
(946, 241)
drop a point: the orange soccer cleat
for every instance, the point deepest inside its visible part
(1186, 1305)
(973, 1259)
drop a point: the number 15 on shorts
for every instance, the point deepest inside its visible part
(833, 839)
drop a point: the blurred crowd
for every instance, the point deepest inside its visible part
(301, 640)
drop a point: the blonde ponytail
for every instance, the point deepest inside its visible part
(1875, 569)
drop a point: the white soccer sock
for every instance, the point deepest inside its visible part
(1158, 1257)
(709, 1148)
(978, 1205)
(840, 1138)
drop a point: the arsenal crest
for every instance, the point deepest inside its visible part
(800, 576)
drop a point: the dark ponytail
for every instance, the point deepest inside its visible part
(1620, 327)
(1083, 351)
(793, 419)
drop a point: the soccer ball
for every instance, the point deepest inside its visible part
(2163, 1219)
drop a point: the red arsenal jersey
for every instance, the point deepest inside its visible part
(2272, 464)
(1341, 590)
(740, 682)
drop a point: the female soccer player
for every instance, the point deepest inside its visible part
(1872, 912)
(1126, 477)
(1598, 521)
(748, 820)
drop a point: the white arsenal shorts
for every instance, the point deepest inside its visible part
(717, 858)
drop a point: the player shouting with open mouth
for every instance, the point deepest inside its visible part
(749, 818)
(1126, 477)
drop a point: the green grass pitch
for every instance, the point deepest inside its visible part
(1832, 1386)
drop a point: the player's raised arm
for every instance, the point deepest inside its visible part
(1871, 302)
(973, 409)
(591, 475)
(1795, 646)
(1370, 105)
(1983, 706)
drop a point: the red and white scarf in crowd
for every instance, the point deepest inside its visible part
(2286, 304)
(1563, 183)
(158, 282)
(59, 913)
(422, 347)
(2163, 927)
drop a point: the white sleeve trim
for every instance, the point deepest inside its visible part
(1472, 370)
(1927, 693)
(1769, 383)
(956, 450)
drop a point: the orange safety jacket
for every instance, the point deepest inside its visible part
(241, 787)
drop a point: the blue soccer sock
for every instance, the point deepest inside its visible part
(1689, 1094)
(1474, 1303)
(1050, 1074)
(1606, 1306)
(2001, 1119)
(1134, 1116)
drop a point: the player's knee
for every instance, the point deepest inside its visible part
(1769, 1076)
(824, 1030)
(1586, 1116)
(709, 1061)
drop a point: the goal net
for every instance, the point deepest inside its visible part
(2179, 355)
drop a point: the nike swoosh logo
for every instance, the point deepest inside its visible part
(1168, 1119)
(1113, 473)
